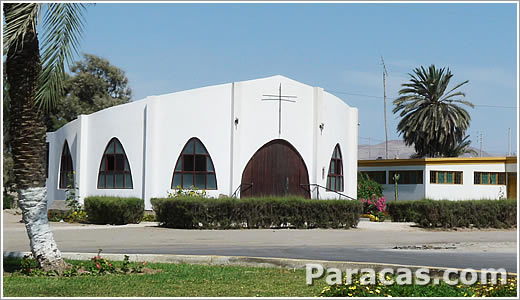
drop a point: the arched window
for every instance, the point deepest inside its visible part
(66, 168)
(194, 168)
(335, 175)
(114, 172)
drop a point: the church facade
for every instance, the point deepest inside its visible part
(269, 136)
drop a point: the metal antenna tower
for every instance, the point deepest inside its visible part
(384, 96)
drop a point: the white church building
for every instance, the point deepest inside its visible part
(269, 136)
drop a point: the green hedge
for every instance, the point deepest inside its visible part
(266, 212)
(114, 210)
(401, 211)
(462, 213)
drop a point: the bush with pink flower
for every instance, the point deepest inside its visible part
(374, 204)
(370, 193)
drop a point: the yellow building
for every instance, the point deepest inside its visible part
(445, 178)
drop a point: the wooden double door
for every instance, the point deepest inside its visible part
(276, 169)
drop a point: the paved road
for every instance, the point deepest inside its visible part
(370, 242)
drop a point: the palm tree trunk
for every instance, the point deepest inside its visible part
(27, 131)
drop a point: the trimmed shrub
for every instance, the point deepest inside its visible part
(266, 212)
(401, 211)
(449, 214)
(114, 210)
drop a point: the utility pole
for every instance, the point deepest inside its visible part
(384, 96)
(480, 144)
(509, 142)
(369, 156)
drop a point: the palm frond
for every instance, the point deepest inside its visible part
(62, 26)
(457, 86)
(19, 18)
(465, 102)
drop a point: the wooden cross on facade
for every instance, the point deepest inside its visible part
(279, 98)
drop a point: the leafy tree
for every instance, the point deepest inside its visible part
(95, 84)
(432, 119)
(35, 84)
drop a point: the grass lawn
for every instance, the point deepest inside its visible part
(183, 280)
(175, 280)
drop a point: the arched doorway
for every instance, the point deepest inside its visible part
(276, 169)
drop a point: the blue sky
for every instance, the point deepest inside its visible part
(167, 47)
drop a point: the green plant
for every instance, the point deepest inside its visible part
(356, 288)
(72, 198)
(29, 267)
(148, 218)
(129, 267)
(99, 265)
(96, 266)
(76, 216)
(374, 205)
(378, 216)
(114, 210)
(56, 215)
(76, 212)
(396, 179)
(265, 212)
(190, 192)
(367, 187)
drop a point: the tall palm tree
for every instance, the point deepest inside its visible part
(34, 86)
(461, 148)
(432, 119)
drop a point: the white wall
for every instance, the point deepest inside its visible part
(258, 120)
(154, 130)
(70, 133)
(125, 122)
(258, 124)
(173, 119)
(340, 127)
(468, 190)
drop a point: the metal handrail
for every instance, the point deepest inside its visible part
(238, 189)
(317, 188)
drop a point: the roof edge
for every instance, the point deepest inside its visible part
(438, 161)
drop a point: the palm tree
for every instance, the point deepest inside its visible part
(461, 148)
(432, 119)
(34, 87)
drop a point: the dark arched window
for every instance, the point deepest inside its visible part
(194, 168)
(335, 175)
(114, 172)
(66, 168)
